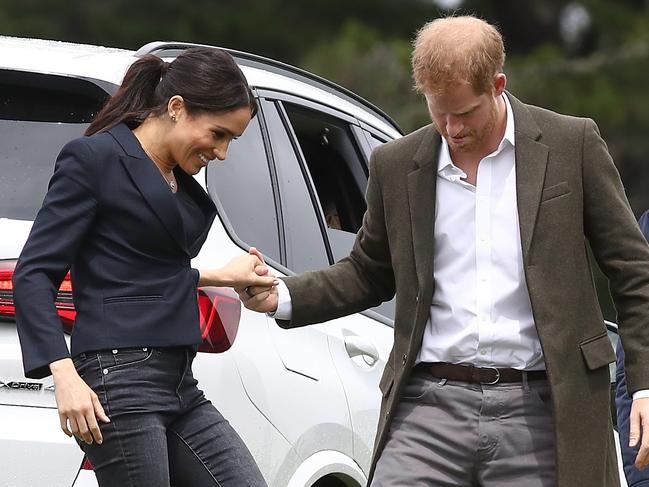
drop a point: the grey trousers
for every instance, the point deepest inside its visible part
(457, 434)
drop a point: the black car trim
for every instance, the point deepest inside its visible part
(173, 49)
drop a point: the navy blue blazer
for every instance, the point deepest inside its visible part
(634, 477)
(110, 218)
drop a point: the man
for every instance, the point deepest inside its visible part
(499, 371)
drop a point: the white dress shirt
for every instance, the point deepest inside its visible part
(481, 312)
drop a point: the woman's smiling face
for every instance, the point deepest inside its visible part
(195, 140)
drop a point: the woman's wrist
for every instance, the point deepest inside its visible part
(214, 277)
(62, 367)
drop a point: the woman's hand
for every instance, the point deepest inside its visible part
(249, 270)
(241, 272)
(79, 407)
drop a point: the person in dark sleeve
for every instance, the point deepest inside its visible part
(125, 215)
(629, 449)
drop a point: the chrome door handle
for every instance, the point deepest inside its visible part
(356, 345)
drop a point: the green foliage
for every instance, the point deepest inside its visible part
(378, 69)
(364, 45)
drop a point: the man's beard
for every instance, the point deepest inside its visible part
(475, 138)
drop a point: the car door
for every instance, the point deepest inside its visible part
(332, 155)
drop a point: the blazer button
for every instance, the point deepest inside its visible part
(416, 299)
(404, 359)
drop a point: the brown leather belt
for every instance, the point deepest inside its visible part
(480, 375)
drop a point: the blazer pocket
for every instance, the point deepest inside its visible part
(387, 379)
(597, 351)
(555, 191)
(132, 299)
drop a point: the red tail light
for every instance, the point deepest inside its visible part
(220, 311)
(6, 288)
(63, 303)
(219, 308)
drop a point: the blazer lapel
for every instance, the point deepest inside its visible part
(421, 201)
(150, 183)
(531, 164)
(205, 204)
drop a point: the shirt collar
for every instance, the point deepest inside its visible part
(509, 128)
(450, 171)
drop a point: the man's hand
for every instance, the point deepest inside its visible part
(639, 431)
(262, 299)
(79, 407)
(259, 298)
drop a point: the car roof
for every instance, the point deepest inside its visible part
(109, 64)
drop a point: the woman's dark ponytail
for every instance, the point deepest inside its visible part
(135, 99)
(208, 79)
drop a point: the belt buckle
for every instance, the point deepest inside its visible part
(497, 376)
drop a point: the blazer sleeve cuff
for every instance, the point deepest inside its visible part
(41, 369)
(196, 276)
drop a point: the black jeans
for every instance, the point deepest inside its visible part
(163, 431)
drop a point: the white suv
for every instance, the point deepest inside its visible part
(305, 401)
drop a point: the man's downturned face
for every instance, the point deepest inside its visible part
(467, 121)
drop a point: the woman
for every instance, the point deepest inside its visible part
(125, 215)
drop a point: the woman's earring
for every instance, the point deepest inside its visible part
(173, 118)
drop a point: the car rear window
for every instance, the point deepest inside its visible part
(38, 115)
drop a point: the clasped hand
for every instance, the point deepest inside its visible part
(241, 272)
(245, 271)
(260, 296)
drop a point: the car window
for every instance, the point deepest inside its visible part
(39, 114)
(243, 190)
(305, 247)
(337, 169)
(335, 165)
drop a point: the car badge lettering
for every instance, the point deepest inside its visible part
(21, 386)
